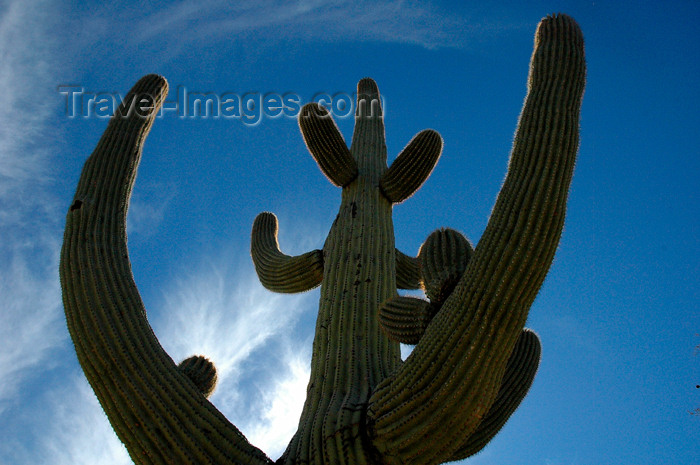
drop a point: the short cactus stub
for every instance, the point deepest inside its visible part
(201, 371)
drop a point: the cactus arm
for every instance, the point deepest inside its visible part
(451, 379)
(443, 257)
(279, 272)
(326, 144)
(156, 411)
(440, 264)
(407, 271)
(412, 167)
(520, 373)
(404, 318)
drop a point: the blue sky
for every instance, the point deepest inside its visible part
(618, 314)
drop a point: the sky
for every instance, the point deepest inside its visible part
(617, 315)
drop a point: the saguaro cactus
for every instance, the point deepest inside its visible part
(473, 361)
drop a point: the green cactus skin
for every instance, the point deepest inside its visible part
(279, 272)
(443, 258)
(452, 377)
(327, 145)
(404, 319)
(157, 412)
(412, 167)
(473, 362)
(408, 275)
(202, 372)
(520, 373)
(351, 354)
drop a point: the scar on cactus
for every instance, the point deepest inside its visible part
(473, 360)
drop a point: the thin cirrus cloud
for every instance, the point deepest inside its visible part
(249, 335)
(281, 404)
(422, 24)
(31, 317)
(75, 430)
(25, 78)
(148, 207)
(31, 324)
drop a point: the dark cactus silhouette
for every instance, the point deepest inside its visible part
(473, 361)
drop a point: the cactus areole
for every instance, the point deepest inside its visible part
(473, 361)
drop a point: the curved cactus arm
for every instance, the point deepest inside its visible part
(408, 275)
(404, 318)
(279, 272)
(452, 377)
(412, 167)
(156, 411)
(326, 144)
(520, 373)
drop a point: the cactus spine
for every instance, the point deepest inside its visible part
(473, 362)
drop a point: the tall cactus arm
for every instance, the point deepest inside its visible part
(279, 272)
(451, 379)
(326, 144)
(412, 167)
(520, 373)
(408, 275)
(157, 412)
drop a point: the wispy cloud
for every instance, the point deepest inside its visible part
(25, 79)
(148, 207)
(282, 403)
(262, 367)
(395, 21)
(31, 323)
(76, 430)
(223, 315)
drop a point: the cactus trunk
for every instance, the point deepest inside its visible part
(359, 273)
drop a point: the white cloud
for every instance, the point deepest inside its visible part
(395, 21)
(147, 208)
(25, 79)
(246, 331)
(223, 316)
(31, 317)
(282, 405)
(31, 323)
(78, 432)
